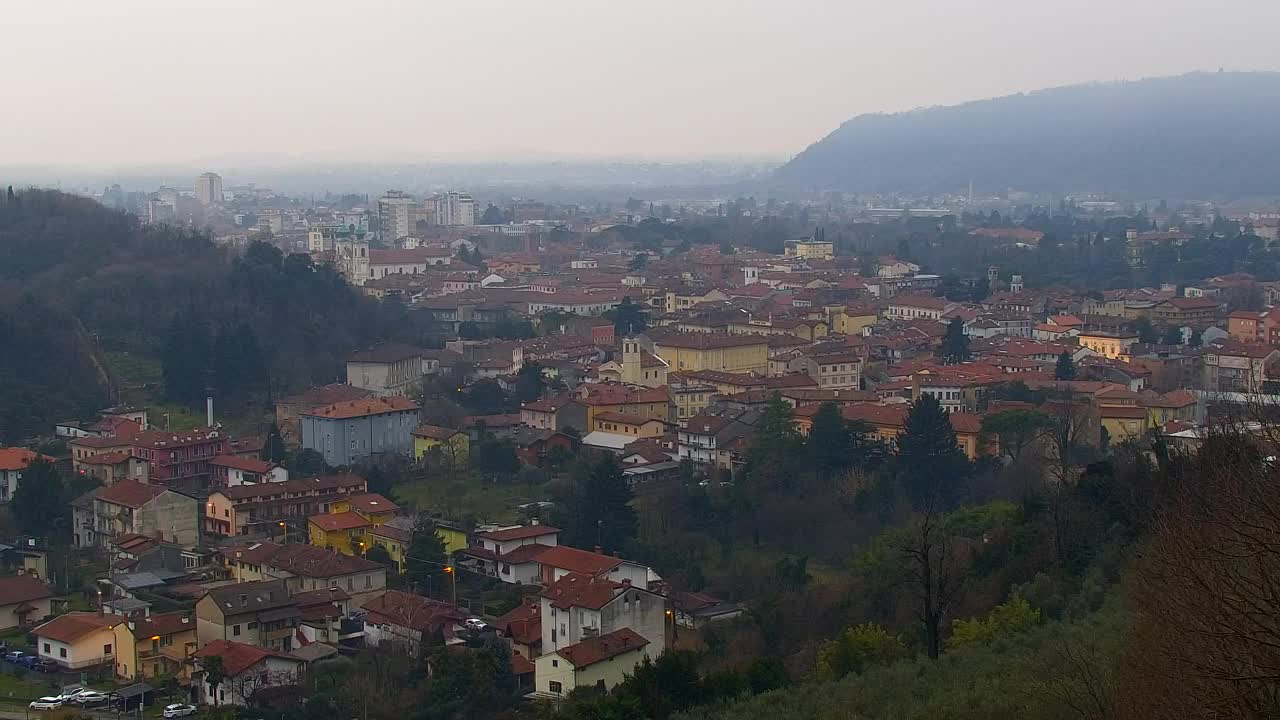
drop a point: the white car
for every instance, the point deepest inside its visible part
(46, 703)
(179, 710)
(89, 697)
(476, 624)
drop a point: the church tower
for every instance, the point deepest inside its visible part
(631, 371)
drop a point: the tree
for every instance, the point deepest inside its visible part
(1146, 331)
(215, 674)
(629, 318)
(492, 215)
(39, 499)
(775, 446)
(530, 383)
(856, 648)
(955, 344)
(1014, 616)
(306, 462)
(1015, 429)
(933, 467)
(830, 444)
(1066, 367)
(602, 513)
(274, 449)
(639, 262)
(378, 554)
(1197, 338)
(937, 569)
(1172, 335)
(426, 554)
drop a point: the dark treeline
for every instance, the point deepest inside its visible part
(80, 280)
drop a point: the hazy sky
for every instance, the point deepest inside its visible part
(133, 82)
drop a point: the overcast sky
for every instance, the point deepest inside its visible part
(131, 82)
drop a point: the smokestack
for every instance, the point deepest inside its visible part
(208, 410)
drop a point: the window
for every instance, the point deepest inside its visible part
(235, 631)
(62, 652)
(554, 687)
(351, 585)
(106, 649)
(555, 663)
(46, 648)
(253, 626)
(368, 581)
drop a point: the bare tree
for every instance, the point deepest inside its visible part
(938, 568)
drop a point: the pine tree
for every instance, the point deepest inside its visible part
(605, 515)
(955, 344)
(426, 554)
(933, 467)
(39, 498)
(830, 444)
(274, 450)
(775, 446)
(1066, 367)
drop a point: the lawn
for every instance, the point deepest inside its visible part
(471, 497)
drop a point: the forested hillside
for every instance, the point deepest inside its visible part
(1197, 135)
(80, 281)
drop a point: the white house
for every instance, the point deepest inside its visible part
(578, 607)
(601, 662)
(78, 640)
(247, 669)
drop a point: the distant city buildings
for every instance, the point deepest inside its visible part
(209, 189)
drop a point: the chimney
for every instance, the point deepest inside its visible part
(599, 550)
(208, 411)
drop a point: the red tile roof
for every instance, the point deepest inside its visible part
(74, 625)
(18, 458)
(413, 611)
(170, 623)
(129, 493)
(604, 647)
(237, 657)
(518, 533)
(372, 503)
(574, 560)
(579, 590)
(363, 408)
(338, 521)
(16, 589)
(235, 462)
(435, 432)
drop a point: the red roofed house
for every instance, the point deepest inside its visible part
(523, 627)
(12, 462)
(600, 662)
(347, 431)
(400, 617)
(248, 669)
(129, 506)
(180, 460)
(580, 606)
(78, 640)
(24, 599)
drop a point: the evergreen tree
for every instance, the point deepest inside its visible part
(955, 344)
(274, 449)
(185, 358)
(775, 446)
(39, 498)
(426, 556)
(1173, 335)
(1066, 367)
(830, 443)
(930, 462)
(629, 318)
(1146, 331)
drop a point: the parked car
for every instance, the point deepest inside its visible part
(46, 666)
(28, 661)
(46, 703)
(14, 655)
(87, 698)
(476, 624)
(179, 710)
(69, 692)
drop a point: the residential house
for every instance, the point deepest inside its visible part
(78, 640)
(155, 645)
(269, 508)
(290, 410)
(13, 461)
(180, 460)
(648, 403)
(347, 431)
(625, 424)
(452, 446)
(1233, 366)
(1179, 312)
(1106, 344)
(523, 627)
(246, 670)
(492, 552)
(130, 506)
(697, 610)
(554, 413)
(709, 439)
(231, 470)
(887, 422)
(24, 600)
(913, 307)
(260, 613)
(306, 567)
(599, 662)
(385, 370)
(344, 527)
(1178, 404)
(578, 606)
(112, 467)
(831, 370)
(406, 619)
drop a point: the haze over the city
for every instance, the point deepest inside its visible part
(121, 84)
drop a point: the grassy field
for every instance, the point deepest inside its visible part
(141, 378)
(470, 497)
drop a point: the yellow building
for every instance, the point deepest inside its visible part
(852, 320)
(625, 424)
(1124, 422)
(396, 538)
(714, 351)
(602, 661)
(648, 403)
(1108, 345)
(810, 250)
(454, 444)
(155, 645)
(349, 521)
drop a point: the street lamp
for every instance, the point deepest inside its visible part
(453, 582)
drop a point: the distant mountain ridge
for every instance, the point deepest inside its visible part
(1191, 136)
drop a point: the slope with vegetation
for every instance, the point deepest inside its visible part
(1197, 135)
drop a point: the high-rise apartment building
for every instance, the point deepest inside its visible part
(398, 214)
(209, 189)
(454, 208)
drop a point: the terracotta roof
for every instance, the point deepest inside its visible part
(249, 597)
(260, 467)
(579, 590)
(130, 493)
(169, 623)
(575, 560)
(708, 341)
(362, 408)
(891, 415)
(920, 301)
(338, 521)
(1200, 303)
(16, 589)
(372, 503)
(157, 439)
(624, 418)
(237, 657)
(72, 626)
(523, 624)
(18, 458)
(593, 650)
(106, 458)
(327, 395)
(412, 611)
(385, 353)
(1127, 412)
(315, 562)
(435, 432)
